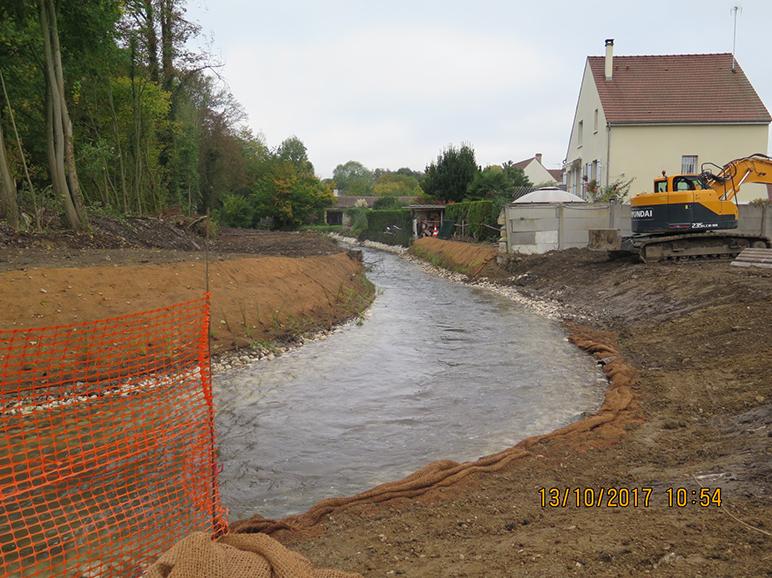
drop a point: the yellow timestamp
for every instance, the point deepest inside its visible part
(626, 497)
(595, 497)
(681, 497)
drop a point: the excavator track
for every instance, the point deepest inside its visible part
(653, 248)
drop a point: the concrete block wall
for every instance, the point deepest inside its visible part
(538, 228)
(755, 220)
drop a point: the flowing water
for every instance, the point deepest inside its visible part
(437, 370)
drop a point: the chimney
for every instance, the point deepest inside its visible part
(538, 157)
(609, 58)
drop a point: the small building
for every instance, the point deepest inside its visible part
(639, 115)
(427, 218)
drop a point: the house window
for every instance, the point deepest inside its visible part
(595, 121)
(689, 165)
(580, 133)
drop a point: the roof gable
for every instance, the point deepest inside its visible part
(690, 88)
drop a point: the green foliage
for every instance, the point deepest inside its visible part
(236, 211)
(385, 203)
(473, 216)
(358, 216)
(397, 185)
(448, 178)
(391, 227)
(516, 175)
(294, 151)
(489, 183)
(353, 179)
(615, 192)
(291, 196)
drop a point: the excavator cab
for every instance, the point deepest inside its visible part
(679, 204)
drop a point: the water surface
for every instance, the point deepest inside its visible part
(437, 370)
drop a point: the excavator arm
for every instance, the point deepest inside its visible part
(756, 168)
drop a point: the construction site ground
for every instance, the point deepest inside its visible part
(697, 333)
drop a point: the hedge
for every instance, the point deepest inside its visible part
(476, 214)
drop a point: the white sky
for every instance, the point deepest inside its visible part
(391, 84)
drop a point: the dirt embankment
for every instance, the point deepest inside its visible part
(697, 335)
(685, 491)
(264, 286)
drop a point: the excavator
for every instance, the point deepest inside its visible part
(690, 215)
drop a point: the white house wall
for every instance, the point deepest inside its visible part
(592, 146)
(537, 174)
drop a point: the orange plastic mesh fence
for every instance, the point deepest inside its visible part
(106, 443)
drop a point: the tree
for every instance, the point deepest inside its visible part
(397, 185)
(8, 204)
(387, 203)
(353, 179)
(516, 175)
(490, 183)
(61, 152)
(288, 192)
(294, 151)
(449, 178)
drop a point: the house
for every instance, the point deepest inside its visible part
(537, 173)
(639, 115)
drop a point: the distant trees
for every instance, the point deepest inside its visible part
(449, 177)
(397, 185)
(106, 108)
(353, 179)
(281, 187)
(288, 192)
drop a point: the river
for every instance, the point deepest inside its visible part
(436, 370)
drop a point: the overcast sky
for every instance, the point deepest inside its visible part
(392, 84)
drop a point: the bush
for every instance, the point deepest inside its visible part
(358, 220)
(392, 227)
(476, 214)
(236, 211)
(387, 203)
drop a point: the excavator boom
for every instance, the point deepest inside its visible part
(756, 168)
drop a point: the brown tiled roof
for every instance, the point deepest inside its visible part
(557, 174)
(523, 164)
(690, 88)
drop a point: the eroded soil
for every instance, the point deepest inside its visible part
(698, 334)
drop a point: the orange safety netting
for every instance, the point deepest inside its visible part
(106, 443)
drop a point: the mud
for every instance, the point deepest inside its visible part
(696, 335)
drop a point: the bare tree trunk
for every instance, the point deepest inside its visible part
(57, 119)
(152, 42)
(9, 208)
(118, 147)
(21, 154)
(69, 148)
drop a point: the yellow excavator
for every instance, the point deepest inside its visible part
(690, 215)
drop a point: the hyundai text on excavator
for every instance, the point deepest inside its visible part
(690, 215)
